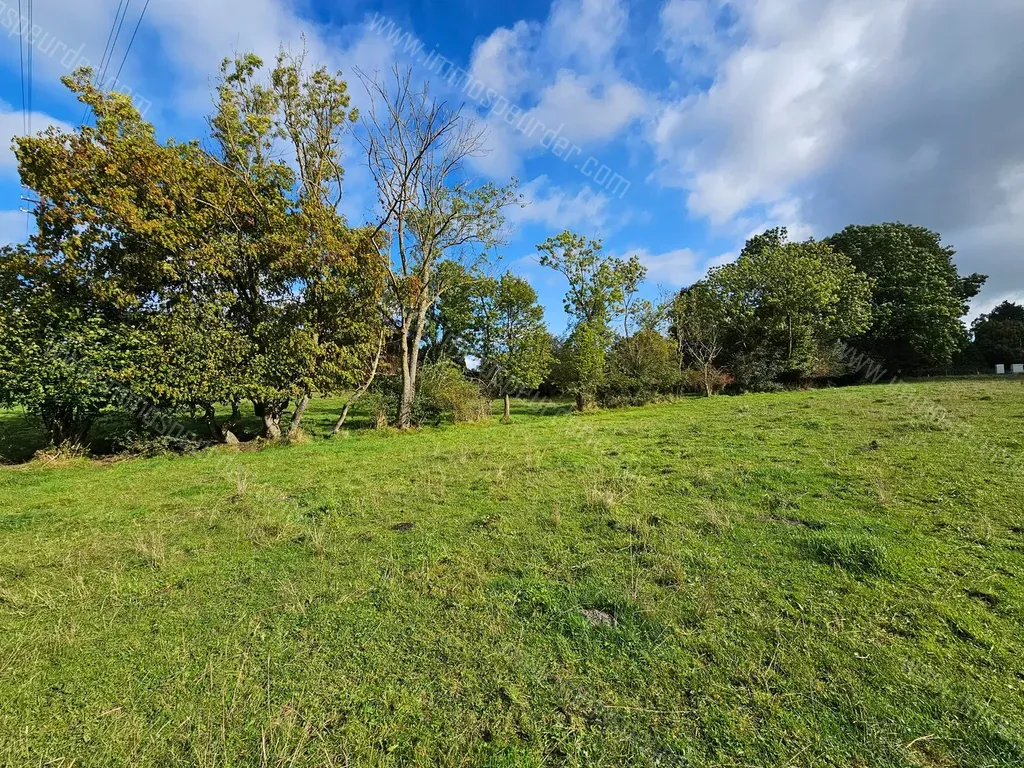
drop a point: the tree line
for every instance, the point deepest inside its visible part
(204, 274)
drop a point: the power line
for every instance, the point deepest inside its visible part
(106, 49)
(21, 61)
(138, 24)
(113, 45)
(31, 48)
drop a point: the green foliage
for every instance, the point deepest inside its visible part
(918, 297)
(598, 285)
(512, 341)
(445, 392)
(640, 369)
(581, 368)
(211, 275)
(697, 323)
(788, 303)
(999, 335)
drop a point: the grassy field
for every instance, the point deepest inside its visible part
(804, 579)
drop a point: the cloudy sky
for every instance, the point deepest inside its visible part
(671, 129)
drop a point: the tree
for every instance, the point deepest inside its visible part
(918, 297)
(303, 288)
(56, 356)
(999, 335)
(433, 212)
(581, 366)
(697, 320)
(596, 282)
(513, 343)
(600, 287)
(790, 302)
(229, 272)
(118, 222)
(639, 369)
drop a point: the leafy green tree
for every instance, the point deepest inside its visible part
(918, 297)
(999, 335)
(640, 368)
(791, 301)
(151, 239)
(304, 290)
(56, 357)
(600, 287)
(452, 319)
(581, 363)
(513, 342)
(596, 282)
(118, 222)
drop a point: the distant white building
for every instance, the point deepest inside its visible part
(1000, 369)
(1018, 367)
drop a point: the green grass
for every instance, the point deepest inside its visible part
(829, 578)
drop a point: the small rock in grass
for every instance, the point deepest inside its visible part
(598, 618)
(401, 527)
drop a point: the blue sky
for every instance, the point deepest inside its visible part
(677, 128)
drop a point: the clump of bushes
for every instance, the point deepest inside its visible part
(710, 381)
(443, 392)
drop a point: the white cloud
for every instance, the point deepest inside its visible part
(691, 35)
(501, 59)
(566, 68)
(587, 31)
(680, 267)
(558, 210)
(860, 111)
(190, 37)
(589, 112)
(777, 109)
(11, 125)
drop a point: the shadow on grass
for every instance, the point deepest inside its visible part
(115, 432)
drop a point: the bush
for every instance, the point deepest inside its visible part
(148, 445)
(640, 370)
(443, 391)
(382, 405)
(757, 371)
(713, 381)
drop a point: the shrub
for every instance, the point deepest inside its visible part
(141, 444)
(758, 371)
(382, 405)
(443, 390)
(640, 370)
(711, 381)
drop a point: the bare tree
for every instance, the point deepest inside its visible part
(416, 149)
(697, 329)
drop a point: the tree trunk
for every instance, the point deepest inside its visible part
(789, 324)
(236, 413)
(580, 402)
(410, 366)
(271, 421)
(508, 408)
(215, 428)
(300, 411)
(408, 399)
(259, 408)
(362, 390)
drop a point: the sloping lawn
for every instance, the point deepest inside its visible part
(828, 578)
